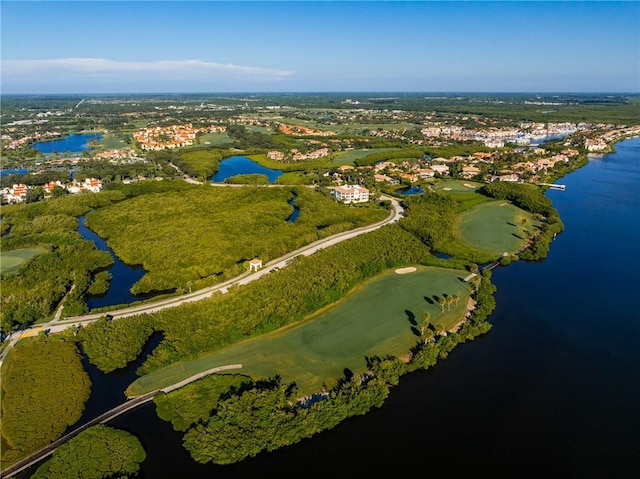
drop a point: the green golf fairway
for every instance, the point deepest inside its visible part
(378, 318)
(456, 186)
(10, 261)
(495, 227)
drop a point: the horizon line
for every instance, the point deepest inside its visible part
(298, 92)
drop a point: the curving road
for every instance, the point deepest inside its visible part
(55, 326)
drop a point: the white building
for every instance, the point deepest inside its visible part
(351, 194)
(92, 184)
(17, 193)
(442, 169)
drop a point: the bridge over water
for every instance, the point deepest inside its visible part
(103, 418)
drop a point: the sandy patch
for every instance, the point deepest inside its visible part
(446, 189)
(410, 269)
(468, 185)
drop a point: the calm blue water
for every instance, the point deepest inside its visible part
(13, 172)
(241, 165)
(551, 391)
(71, 144)
(123, 275)
(296, 211)
(412, 190)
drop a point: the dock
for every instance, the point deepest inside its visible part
(554, 186)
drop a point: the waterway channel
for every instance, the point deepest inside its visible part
(124, 276)
(550, 391)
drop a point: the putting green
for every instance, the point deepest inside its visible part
(456, 186)
(380, 317)
(10, 261)
(495, 227)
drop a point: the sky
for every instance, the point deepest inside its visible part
(307, 46)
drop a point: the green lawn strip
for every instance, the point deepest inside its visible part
(305, 165)
(215, 139)
(494, 227)
(10, 261)
(111, 142)
(376, 318)
(348, 157)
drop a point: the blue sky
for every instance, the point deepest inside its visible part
(205, 46)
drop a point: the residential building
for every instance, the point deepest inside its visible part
(469, 171)
(49, 187)
(441, 169)
(351, 194)
(17, 193)
(92, 184)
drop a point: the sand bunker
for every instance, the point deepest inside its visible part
(446, 189)
(410, 269)
(468, 185)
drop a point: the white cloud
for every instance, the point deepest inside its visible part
(100, 71)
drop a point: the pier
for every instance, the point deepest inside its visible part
(554, 186)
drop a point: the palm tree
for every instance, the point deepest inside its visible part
(425, 323)
(449, 300)
(441, 302)
(455, 298)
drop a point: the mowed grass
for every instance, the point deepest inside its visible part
(10, 261)
(456, 186)
(111, 142)
(495, 227)
(378, 318)
(348, 157)
(214, 138)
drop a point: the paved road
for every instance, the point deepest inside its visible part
(397, 212)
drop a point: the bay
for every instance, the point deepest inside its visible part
(72, 144)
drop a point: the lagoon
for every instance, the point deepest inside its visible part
(71, 144)
(241, 165)
(19, 171)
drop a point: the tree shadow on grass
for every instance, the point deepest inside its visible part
(517, 236)
(411, 317)
(415, 331)
(510, 224)
(428, 300)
